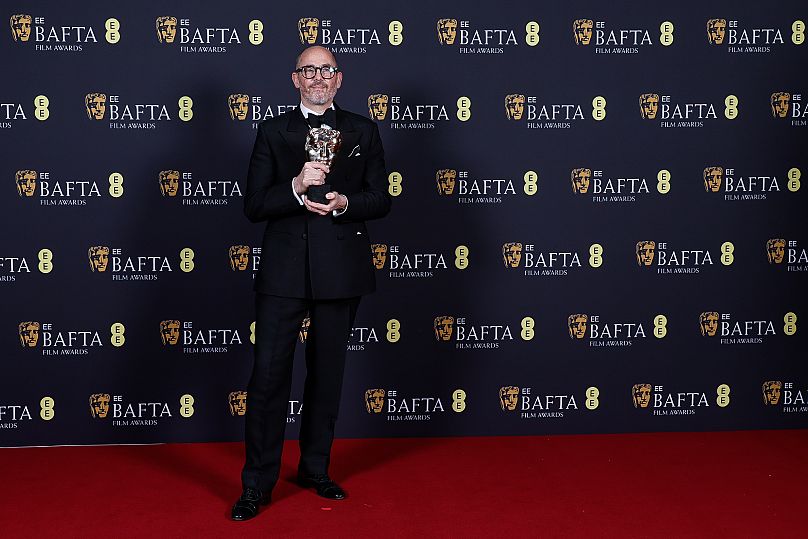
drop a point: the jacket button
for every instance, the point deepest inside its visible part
(305, 236)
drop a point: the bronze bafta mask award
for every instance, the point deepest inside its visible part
(322, 146)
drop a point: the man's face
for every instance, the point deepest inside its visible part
(169, 182)
(649, 105)
(99, 258)
(709, 324)
(97, 107)
(645, 253)
(443, 327)
(238, 403)
(508, 398)
(26, 182)
(377, 106)
(447, 31)
(374, 400)
(580, 180)
(642, 395)
(775, 250)
(577, 326)
(446, 181)
(771, 392)
(29, 334)
(99, 405)
(712, 179)
(238, 106)
(239, 257)
(583, 31)
(514, 106)
(167, 29)
(715, 31)
(780, 104)
(379, 255)
(317, 91)
(21, 27)
(512, 253)
(308, 30)
(170, 331)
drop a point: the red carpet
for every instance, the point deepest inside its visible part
(733, 484)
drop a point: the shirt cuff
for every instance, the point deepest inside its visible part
(337, 213)
(299, 200)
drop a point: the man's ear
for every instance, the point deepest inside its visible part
(295, 81)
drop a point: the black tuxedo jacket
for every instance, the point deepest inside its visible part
(334, 250)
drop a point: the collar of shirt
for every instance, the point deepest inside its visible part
(305, 110)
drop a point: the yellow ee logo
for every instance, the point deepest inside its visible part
(663, 181)
(45, 257)
(528, 328)
(666, 33)
(532, 33)
(531, 183)
(186, 108)
(396, 36)
(458, 400)
(463, 108)
(462, 257)
(660, 326)
(596, 255)
(798, 32)
(723, 395)
(394, 180)
(727, 248)
(118, 339)
(187, 405)
(41, 111)
(592, 401)
(393, 330)
(187, 260)
(731, 108)
(113, 34)
(46, 408)
(791, 323)
(256, 28)
(599, 108)
(116, 184)
(794, 175)
(252, 332)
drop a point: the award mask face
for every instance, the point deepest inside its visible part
(322, 145)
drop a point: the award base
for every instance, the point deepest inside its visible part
(316, 193)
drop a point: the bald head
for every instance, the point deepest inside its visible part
(315, 55)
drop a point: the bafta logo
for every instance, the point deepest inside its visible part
(649, 106)
(96, 105)
(771, 392)
(20, 27)
(508, 398)
(170, 332)
(716, 29)
(307, 28)
(379, 251)
(708, 323)
(99, 405)
(445, 178)
(29, 334)
(303, 334)
(238, 104)
(98, 256)
(26, 182)
(166, 29)
(447, 31)
(775, 250)
(239, 257)
(374, 401)
(641, 395)
(512, 254)
(169, 182)
(377, 106)
(582, 31)
(444, 325)
(712, 179)
(779, 103)
(580, 178)
(577, 325)
(514, 106)
(645, 252)
(238, 402)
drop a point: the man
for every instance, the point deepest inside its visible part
(316, 260)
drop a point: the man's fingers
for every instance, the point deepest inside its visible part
(318, 166)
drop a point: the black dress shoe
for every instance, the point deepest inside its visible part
(323, 484)
(247, 506)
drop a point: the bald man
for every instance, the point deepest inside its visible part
(316, 261)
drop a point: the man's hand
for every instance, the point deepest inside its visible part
(336, 201)
(312, 173)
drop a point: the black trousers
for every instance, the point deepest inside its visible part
(278, 321)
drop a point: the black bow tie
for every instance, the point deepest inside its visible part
(329, 117)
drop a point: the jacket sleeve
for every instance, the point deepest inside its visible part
(373, 201)
(268, 196)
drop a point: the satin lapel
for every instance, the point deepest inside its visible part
(295, 135)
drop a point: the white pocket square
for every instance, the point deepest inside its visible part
(355, 152)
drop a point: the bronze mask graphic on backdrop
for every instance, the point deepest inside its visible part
(307, 28)
(512, 254)
(96, 105)
(237, 400)
(771, 392)
(169, 182)
(26, 182)
(645, 251)
(98, 256)
(377, 106)
(780, 103)
(99, 405)
(374, 401)
(649, 106)
(580, 178)
(713, 176)
(303, 333)
(508, 398)
(775, 250)
(716, 29)
(577, 325)
(514, 106)
(379, 253)
(641, 395)
(708, 323)
(582, 31)
(444, 325)
(238, 104)
(239, 257)
(166, 28)
(170, 332)
(445, 179)
(29, 333)
(20, 27)
(447, 31)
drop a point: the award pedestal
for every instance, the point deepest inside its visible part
(316, 193)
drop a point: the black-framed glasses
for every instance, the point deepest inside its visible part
(309, 72)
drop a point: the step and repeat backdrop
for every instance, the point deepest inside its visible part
(598, 219)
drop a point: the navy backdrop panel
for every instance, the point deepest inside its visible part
(598, 221)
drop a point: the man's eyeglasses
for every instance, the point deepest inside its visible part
(309, 72)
